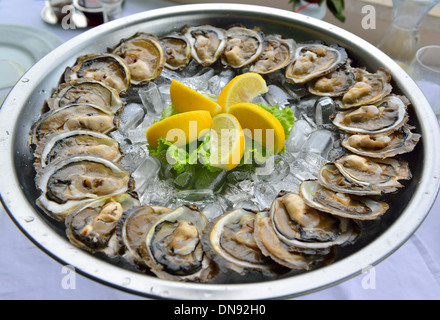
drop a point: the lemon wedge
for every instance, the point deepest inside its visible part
(260, 125)
(227, 142)
(185, 99)
(243, 88)
(180, 129)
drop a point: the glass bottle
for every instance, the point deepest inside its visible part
(401, 41)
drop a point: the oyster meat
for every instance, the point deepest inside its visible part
(144, 56)
(385, 116)
(71, 143)
(307, 229)
(69, 183)
(92, 227)
(229, 241)
(74, 117)
(207, 43)
(243, 47)
(175, 249)
(106, 68)
(382, 145)
(177, 51)
(341, 204)
(313, 60)
(86, 92)
(372, 88)
(277, 55)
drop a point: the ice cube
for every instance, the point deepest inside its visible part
(289, 183)
(276, 169)
(319, 142)
(277, 96)
(302, 171)
(325, 107)
(131, 117)
(152, 99)
(133, 157)
(264, 194)
(146, 173)
(247, 204)
(191, 69)
(298, 136)
(120, 137)
(197, 197)
(197, 83)
(137, 136)
(157, 193)
(212, 211)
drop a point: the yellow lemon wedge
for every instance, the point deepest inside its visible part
(243, 88)
(260, 125)
(227, 142)
(185, 99)
(180, 129)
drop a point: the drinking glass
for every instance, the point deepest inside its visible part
(112, 9)
(425, 71)
(11, 72)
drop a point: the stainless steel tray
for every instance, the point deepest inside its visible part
(24, 105)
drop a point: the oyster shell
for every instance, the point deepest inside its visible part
(88, 92)
(334, 84)
(380, 173)
(372, 88)
(278, 54)
(106, 68)
(382, 145)
(229, 241)
(341, 204)
(144, 56)
(207, 43)
(243, 47)
(385, 116)
(134, 231)
(313, 60)
(67, 144)
(73, 117)
(307, 229)
(177, 51)
(69, 183)
(174, 247)
(92, 227)
(271, 246)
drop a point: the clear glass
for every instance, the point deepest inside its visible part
(112, 9)
(401, 41)
(425, 70)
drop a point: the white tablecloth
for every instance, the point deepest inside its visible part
(413, 272)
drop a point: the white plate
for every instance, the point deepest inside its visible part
(20, 48)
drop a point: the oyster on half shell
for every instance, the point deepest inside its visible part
(177, 51)
(69, 183)
(313, 60)
(243, 47)
(207, 43)
(93, 227)
(341, 204)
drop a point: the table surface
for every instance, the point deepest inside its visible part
(413, 272)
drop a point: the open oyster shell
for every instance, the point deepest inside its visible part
(92, 227)
(271, 245)
(134, 232)
(307, 229)
(229, 241)
(106, 68)
(278, 54)
(370, 89)
(174, 247)
(177, 51)
(69, 183)
(207, 43)
(243, 47)
(341, 204)
(73, 117)
(385, 116)
(144, 55)
(382, 145)
(62, 145)
(313, 60)
(86, 91)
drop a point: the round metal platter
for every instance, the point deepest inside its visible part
(24, 105)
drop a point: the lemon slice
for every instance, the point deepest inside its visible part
(180, 129)
(243, 88)
(227, 142)
(260, 125)
(185, 99)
